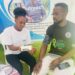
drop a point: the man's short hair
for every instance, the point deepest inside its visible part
(19, 12)
(63, 5)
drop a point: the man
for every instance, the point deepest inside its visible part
(36, 11)
(61, 36)
(16, 38)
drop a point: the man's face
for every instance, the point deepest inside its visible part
(33, 1)
(20, 22)
(59, 14)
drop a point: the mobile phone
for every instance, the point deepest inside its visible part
(63, 65)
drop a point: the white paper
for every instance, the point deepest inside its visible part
(26, 48)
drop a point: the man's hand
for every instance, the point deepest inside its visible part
(55, 63)
(37, 67)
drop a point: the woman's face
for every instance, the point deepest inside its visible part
(20, 22)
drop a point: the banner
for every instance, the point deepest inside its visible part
(39, 14)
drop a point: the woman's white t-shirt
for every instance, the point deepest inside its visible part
(11, 36)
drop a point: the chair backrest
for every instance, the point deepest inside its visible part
(4, 46)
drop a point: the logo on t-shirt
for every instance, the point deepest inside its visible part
(68, 34)
(60, 44)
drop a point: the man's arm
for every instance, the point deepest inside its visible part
(68, 55)
(42, 51)
(41, 56)
(44, 46)
(46, 41)
(58, 60)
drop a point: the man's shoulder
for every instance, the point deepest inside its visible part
(70, 23)
(50, 27)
